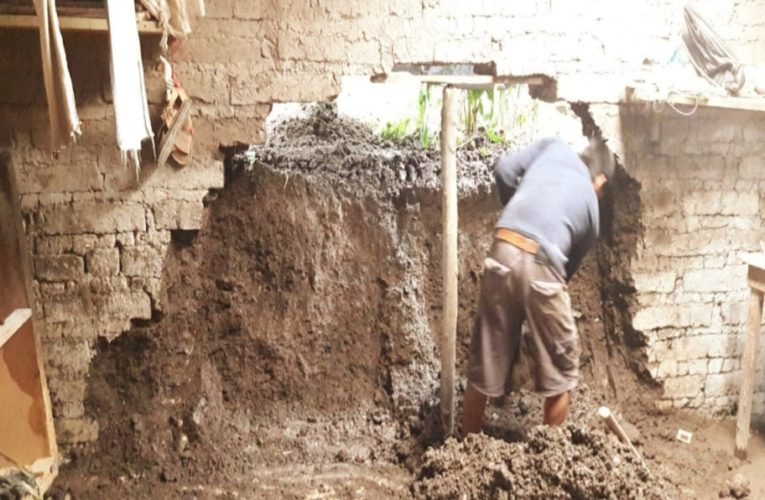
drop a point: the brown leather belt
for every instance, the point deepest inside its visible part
(517, 240)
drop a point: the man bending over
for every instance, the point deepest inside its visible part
(549, 222)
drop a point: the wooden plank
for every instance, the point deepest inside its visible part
(69, 23)
(744, 417)
(756, 278)
(449, 264)
(13, 323)
(12, 263)
(644, 95)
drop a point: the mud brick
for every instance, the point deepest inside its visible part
(58, 268)
(93, 217)
(715, 280)
(143, 261)
(735, 203)
(723, 384)
(53, 245)
(84, 243)
(179, 214)
(688, 386)
(697, 366)
(667, 368)
(103, 262)
(715, 365)
(655, 282)
(78, 430)
(65, 358)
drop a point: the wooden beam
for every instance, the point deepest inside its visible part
(69, 23)
(449, 263)
(13, 323)
(748, 367)
(470, 82)
(690, 101)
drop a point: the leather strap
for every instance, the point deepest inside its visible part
(517, 240)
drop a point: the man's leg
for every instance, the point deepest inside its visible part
(556, 408)
(472, 410)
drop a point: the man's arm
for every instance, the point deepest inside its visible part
(577, 253)
(509, 169)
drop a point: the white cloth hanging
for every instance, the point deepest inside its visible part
(62, 110)
(175, 15)
(131, 110)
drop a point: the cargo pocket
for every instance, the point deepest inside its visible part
(567, 354)
(552, 299)
(493, 266)
(550, 305)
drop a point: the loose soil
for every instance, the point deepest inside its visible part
(294, 352)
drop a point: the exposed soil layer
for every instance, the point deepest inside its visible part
(295, 350)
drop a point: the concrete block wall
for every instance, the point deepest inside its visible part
(702, 182)
(99, 238)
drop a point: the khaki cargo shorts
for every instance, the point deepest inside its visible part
(515, 288)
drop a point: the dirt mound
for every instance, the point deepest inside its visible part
(573, 461)
(299, 331)
(345, 153)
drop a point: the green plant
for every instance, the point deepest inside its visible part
(395, 131)
(423, 103)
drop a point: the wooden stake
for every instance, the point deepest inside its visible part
(449, 264)
(606, 416)
(748, 367)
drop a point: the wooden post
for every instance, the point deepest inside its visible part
(449, 265)
(748, 370)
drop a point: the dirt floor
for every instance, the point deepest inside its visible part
(294, 351)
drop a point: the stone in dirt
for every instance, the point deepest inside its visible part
(737, 487)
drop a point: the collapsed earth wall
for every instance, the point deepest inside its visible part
(100, 239)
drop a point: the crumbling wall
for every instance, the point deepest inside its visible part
(701, 180)
(99, 238)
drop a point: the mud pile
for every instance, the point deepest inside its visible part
(347, 154)
(573, 461)
(296, 337)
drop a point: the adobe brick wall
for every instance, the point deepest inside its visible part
(99, 239)
(702, 181)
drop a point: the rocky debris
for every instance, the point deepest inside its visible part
(573, 461)
(17, 485)
(736, 487)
